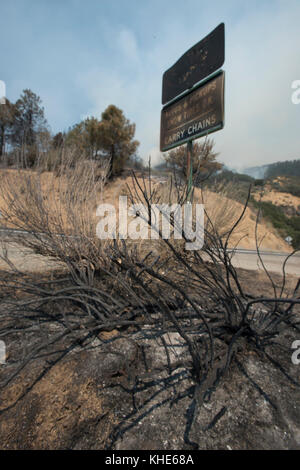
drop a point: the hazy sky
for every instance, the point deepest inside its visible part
(80, 56)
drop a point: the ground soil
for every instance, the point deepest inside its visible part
(288, 202)
(104, 398)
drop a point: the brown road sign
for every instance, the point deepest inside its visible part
(197, 113)
(203, 59)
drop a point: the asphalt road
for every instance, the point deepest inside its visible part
(273, 261)
(247, 259)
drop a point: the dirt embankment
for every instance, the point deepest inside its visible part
(222, 210)
(289, 203)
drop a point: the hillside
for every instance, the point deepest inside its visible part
(287, 201)
(279, 197)
(272, 170)
(222, 210)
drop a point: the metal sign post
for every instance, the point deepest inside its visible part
(189, 168)
(193, 97)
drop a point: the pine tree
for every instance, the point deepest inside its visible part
(111, 138)
(29, 121)
(117, 135)
(85, 136)
(7, 114)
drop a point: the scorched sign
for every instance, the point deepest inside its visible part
(203, 59)
(197, 113)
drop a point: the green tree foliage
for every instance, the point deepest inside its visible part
(111, 138)
(24, 123)
(227, 176)
(287, 168)
(58, 140)
(29, 118)
(203, 158)
(117, 138)
(288, 184)
(85, 136)
(29, 122)
(286, 226)
(135, 162)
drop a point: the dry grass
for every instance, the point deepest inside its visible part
(57, 209)
(65, 202)
(222, 209)
(279, 199)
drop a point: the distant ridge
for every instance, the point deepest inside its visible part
(255, 171)
(286, 168)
